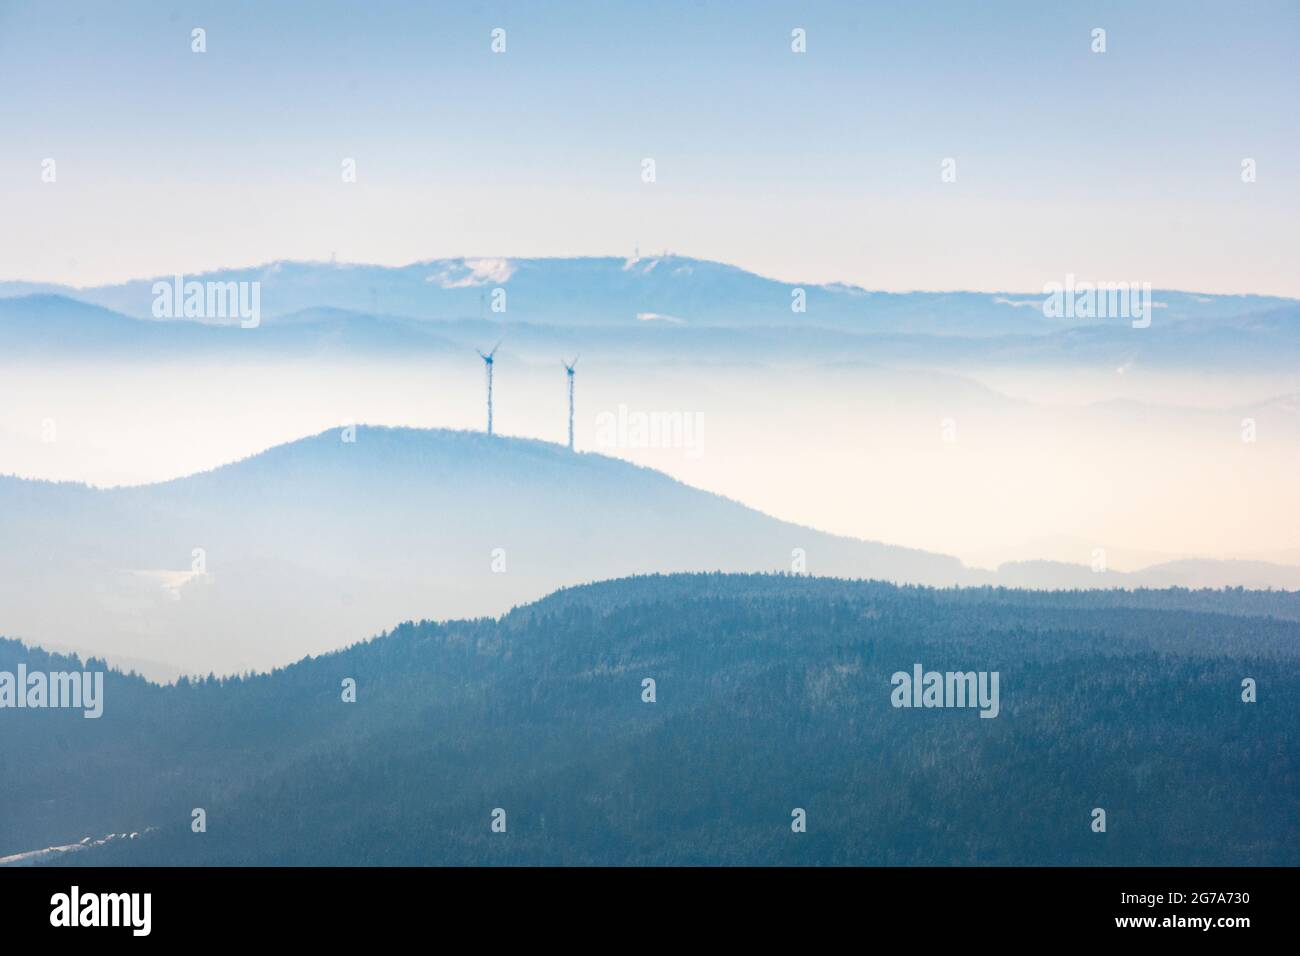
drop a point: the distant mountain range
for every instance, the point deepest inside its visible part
(311, 545)
(647, 301)
(53, 327)
(770, 696)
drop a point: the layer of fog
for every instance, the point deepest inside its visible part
(991, 466)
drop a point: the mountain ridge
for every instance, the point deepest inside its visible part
(321, 540)
(763, 684)
(604, 290)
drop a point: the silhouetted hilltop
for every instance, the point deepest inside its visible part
(770, 693)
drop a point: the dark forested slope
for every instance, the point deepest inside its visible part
(773, 693)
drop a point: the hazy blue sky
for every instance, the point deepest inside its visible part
(821, 166)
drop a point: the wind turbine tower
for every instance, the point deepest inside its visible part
(487, 362)
(568, 367)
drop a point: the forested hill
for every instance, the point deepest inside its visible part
(771, 693)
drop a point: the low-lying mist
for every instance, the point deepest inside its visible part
(926, 459)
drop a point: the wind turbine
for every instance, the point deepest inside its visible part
(568, 367)
(487, 362)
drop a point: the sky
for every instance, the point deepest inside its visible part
(822, 166)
